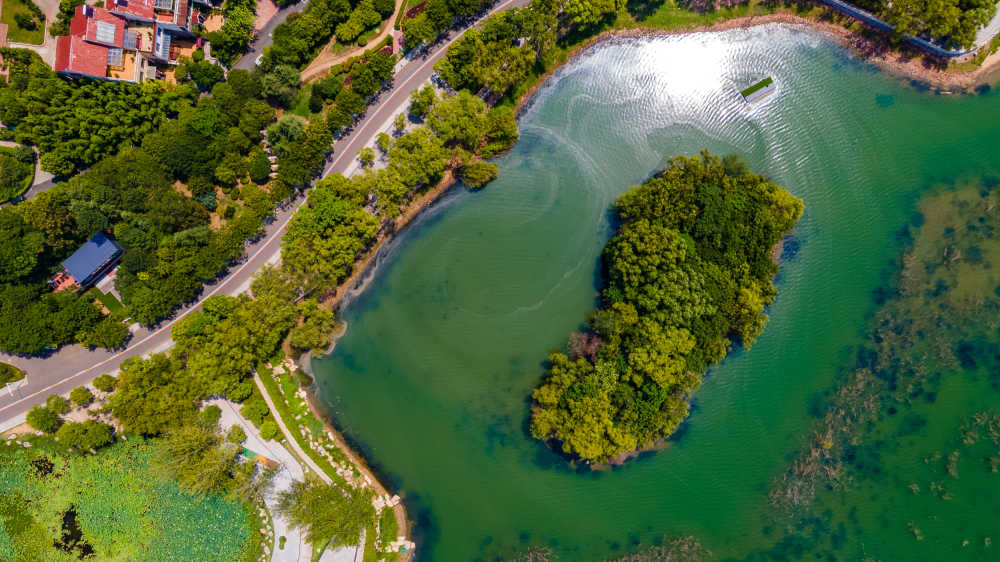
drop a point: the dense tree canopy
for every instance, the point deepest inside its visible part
(328, 234)
(129, 192)
(688, 272)
(953, 21)
(328, 514)
(74, 126)
(493, 56)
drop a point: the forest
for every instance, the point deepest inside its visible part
(687, 275)
(180, 191)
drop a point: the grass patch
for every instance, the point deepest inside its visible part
(108, 300)
(290, 406)
(978, 60)
(300, 106)
(9, 373)
(15, 32)
(16, 172)
(757, 87)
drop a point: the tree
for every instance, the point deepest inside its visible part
(197, 457)
(87, 435)
(57, 404)
(255, 410)
(109, 333)
(280, 84)
(236, 435)
(327, 514)
(268, 430)
(421, 101)
(20, 246)
(81, 396)
(154, 394)
(105, 383)
(477, 173)
(589, 12)
(314, 331)
(259, 167)
(42, 419)
(367, 156)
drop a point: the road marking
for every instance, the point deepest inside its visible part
(277, 233)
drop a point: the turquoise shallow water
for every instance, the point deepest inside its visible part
(443, 348)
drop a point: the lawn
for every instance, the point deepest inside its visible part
(114, 505)
(300, 106)
(9, 373)
(15, 32)
(17, 172)
(108, 300)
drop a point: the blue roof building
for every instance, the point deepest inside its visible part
(93, 259)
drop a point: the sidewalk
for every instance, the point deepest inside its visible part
(296, 548)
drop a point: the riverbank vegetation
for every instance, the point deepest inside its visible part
(688, 274)
(343, 216)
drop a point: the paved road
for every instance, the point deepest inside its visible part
(74, 365)
(249, 60)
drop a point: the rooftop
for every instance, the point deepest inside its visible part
(91, 258)
(141, 9)
(76, 55)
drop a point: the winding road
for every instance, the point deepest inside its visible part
(74, 365)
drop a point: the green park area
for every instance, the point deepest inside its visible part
(115, 505)
(17, 169)
(25, 22)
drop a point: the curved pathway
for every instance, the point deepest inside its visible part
(326, 60)
(74, 365)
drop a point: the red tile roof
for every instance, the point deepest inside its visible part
(136, 8)
(78, 56)
(104, 16)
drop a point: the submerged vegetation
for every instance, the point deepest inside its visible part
(688, 272)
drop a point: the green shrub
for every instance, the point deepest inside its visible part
(57, 404)
(87, 435)
(42, 419)
(211, 414)
(236, 435)
(81, 396)
(105, 383)
(268, 430)
(255, 410)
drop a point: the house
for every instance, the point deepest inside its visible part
(88, 264)
(130, 40)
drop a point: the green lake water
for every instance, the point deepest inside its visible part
(433, 377)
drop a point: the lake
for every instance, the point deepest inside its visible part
(432, 380)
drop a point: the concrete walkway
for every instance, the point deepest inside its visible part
(340, 554)
(297, 549)
(288, 435)
(43, 179)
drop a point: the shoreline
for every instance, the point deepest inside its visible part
(905, 64)
(900, 64)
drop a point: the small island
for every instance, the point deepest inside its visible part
(688, 274)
